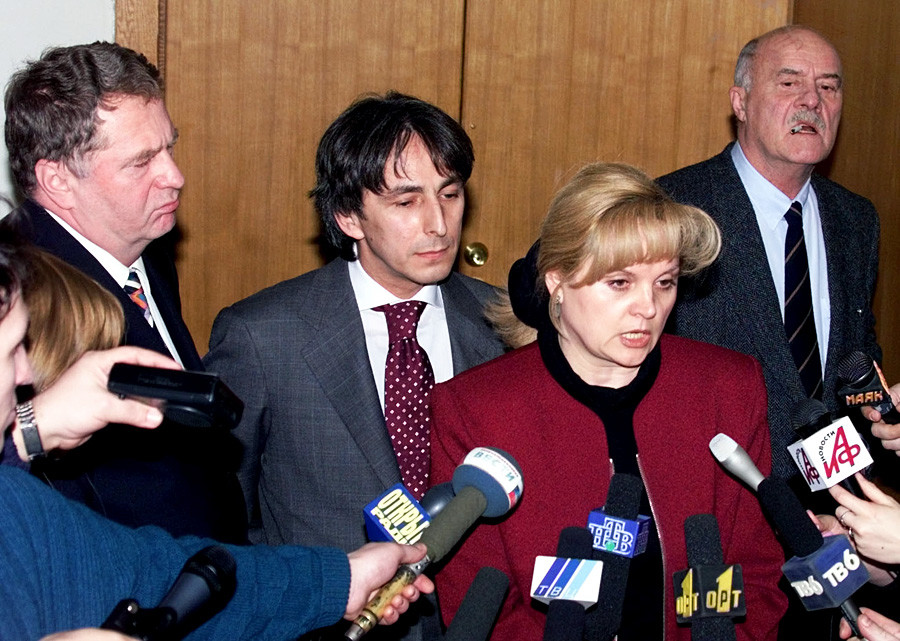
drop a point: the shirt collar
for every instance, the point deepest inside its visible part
(369, 293)
(117, 270)
(769, 202)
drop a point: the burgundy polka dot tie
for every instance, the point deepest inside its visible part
(408, 379)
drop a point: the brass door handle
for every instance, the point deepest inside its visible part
(475, 254)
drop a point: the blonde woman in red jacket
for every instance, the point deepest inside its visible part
(602, 390)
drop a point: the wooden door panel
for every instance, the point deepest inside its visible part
(867, 152)
(251, 87)
(549, 85)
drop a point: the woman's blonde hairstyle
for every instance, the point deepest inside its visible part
(610, 216)
(70, 315)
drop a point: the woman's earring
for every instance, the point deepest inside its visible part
(557, 306)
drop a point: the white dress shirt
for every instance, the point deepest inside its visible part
(770, 205)
(432, 332)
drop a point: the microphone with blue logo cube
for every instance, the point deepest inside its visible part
(396, 516)
(623, 501)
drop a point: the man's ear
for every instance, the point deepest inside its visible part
(55, 183)
(349, 224)
(738, 97)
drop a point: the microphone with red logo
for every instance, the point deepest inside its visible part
(823, 573)
(861, 383)
(829, 452)
(489, 483)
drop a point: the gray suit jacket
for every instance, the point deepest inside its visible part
(735, 305)
(316, 446)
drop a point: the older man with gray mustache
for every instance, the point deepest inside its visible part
(794, 282)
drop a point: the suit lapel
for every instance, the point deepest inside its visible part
(744, 259)
(471, 340)
(834, 232)
(164, 283)
(338, 359)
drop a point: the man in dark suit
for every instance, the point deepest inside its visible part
(787, 101)
(787, 98)
(90, 145)
(308, 356)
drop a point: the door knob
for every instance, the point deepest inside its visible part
(476, 254)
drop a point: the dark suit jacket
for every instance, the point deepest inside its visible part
(316, 446)
(175, 477)
(735, 305)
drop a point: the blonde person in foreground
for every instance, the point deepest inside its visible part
(604, 391)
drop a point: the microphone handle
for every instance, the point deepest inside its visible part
(892, 416)
(368, 618)
(852, 485)
(851, 614)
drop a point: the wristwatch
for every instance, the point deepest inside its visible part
(28, 426)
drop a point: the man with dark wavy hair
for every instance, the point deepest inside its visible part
(308, 355)
(90, 145)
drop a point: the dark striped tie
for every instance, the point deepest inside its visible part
(799, 323)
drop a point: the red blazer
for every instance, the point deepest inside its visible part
(513, 403)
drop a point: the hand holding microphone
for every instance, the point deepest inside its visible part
(874, 626)
(375, 563)
(489, 483)
(874, 525)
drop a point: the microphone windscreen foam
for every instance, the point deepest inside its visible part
(789, 516)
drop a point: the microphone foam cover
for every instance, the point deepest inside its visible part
(623, 499)
(437, 498)
(789, 516)
(854, 367)
(807, 412)
(701, 536)
(479, 609)
(495, 489)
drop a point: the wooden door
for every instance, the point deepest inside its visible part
(560, 83)
(251, 87)
(542, 87)
(867, 153)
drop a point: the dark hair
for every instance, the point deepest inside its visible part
(52, 104)
(13, 270)
(358, 145)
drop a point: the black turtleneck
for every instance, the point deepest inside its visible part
(642, 614)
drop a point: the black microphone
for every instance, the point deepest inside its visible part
(808, 417)
(623, 500)
(489, 483)
(205, 585)
(565, 618)
(862, 383)
(436, 498)
(704, 548)
(820, 588)
(477, 614)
